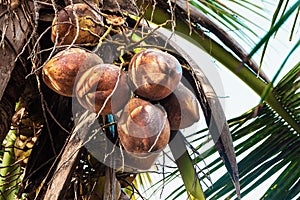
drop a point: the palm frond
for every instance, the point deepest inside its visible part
(278, 147)
(275, 15)
(294, 24)
(268, 89)
(231, 19)
(274, 28)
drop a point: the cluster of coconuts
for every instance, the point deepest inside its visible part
(148, 98)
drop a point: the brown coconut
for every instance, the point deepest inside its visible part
(60, 72)
(182, 108)
(154, 74)
(65, 26)
(96, 90)
(143, 128)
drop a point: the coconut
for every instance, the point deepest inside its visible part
(154, 74)
(90, 25)
(103, 89)
(143, 128)
(60, 72)
(182, 108)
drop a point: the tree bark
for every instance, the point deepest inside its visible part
(14, 31)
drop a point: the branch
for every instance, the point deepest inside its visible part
(62, 176)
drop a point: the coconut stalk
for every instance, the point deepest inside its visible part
(186, 167)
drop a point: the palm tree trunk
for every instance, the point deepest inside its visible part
(14, 32)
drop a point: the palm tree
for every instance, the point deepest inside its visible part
(42, 159)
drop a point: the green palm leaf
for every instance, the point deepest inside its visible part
(275, 15)
(274, 28)
(226, 16)
(279, 148)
